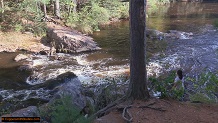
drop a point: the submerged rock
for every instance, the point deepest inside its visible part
(173, 34)
(66, 40)
(154, 34)
(21, 57)
(179, 34)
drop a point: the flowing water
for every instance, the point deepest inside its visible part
(113, 59)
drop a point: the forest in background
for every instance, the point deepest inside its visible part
(83, 15)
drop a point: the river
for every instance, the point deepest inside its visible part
(113, 59)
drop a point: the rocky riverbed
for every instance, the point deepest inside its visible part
(50, 75)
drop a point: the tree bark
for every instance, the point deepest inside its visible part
(57, 8)
(138, 75)
(74, 5)
(2, 5)
(45, 10)
(2, 12)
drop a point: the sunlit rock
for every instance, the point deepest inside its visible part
(21, 57)
(67, 40)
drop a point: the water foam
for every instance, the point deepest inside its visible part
(22, 95)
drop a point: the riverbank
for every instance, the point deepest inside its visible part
(14, 41)
(163, 111)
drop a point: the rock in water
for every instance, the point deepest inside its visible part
(70, 87)
(67, 40)
(21, 57)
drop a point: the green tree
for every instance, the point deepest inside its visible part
(138, 76)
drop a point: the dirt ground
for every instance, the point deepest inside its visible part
(12, 41)
(165, 111)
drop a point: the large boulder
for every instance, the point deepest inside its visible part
(71, 87)
(67, 40)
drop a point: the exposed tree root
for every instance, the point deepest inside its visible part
(108, 107)
(154, 108)
(145, 106)
(126, 115)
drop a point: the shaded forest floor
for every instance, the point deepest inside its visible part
(165, 111)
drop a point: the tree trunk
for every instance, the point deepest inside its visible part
(2, 5)
(57, 8)
(45, 10)
(2, 12)
(138, 76)
(74, 5)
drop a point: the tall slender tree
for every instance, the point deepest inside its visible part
(74, 5)
(1, 9)
(57, 8)
(44, 2)
(138, 76)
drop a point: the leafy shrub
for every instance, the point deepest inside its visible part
(97, 12)
(200, 97)
(33, 14)
(18, 27)
(206, 86)
(163, 85)
(124, 10)
(63, 111)
(215, 23)
(89, 17)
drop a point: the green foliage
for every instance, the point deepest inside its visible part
(153, 6)
(215, 23)
(164, 85)
(24, 15)
(4, 111)
(63, 111)
(207, 84)
(38, 28)
(116, 9)
(200, 97)
(124, 10)
(95, 13)
(18, 27)
(34, 23)
(89, 18)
